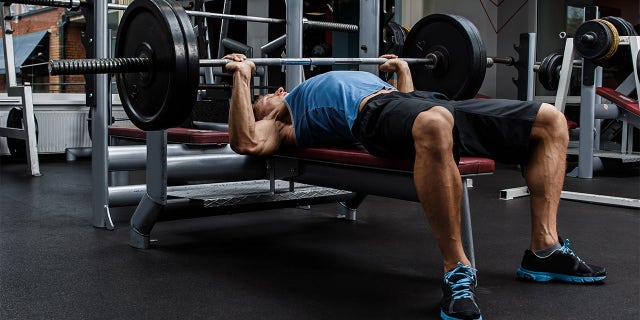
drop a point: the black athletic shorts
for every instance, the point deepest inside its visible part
(491, 128)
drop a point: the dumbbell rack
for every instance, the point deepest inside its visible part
(591, 78)
(28, 130)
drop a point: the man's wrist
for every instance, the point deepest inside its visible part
(243, 74)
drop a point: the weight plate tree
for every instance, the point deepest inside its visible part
(461, 56)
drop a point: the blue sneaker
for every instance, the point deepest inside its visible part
(561, 265)
(459, 296)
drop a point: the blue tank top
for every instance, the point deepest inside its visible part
(324, 108)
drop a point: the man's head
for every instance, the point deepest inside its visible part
(265, 104)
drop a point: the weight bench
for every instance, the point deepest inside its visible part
(630, 108)
(629, 114)
(354, 170)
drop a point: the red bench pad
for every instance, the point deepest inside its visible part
(359, 157)
(619, 99)
(175, 135)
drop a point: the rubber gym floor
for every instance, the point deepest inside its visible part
(298, 264)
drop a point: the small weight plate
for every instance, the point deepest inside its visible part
(393, 36)
(151, 28)
(549, 71)
(594, 39)
(462, 63)
(622, 58)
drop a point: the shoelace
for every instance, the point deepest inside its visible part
(462, 287)
(565, 249)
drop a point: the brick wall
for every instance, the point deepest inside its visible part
(74, 50)
(51, 20)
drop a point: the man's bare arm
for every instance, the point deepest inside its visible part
(404, 81)
(246, 135)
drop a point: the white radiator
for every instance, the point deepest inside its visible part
(58, 129)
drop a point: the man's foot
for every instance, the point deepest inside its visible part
(561, 265)
(458, 295)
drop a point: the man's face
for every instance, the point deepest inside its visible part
(269, 102)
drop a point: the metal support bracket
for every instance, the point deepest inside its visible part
(512, 193)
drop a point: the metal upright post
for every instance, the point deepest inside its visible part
(587, 120)
(369, 32)
(531, 60)
(526, 50)
(294, 42)
(587, 109)
(565, 75)
(634, 43)
(28, 131)
(99, 169)
(7, 35)
(224, 28)
(29, 123)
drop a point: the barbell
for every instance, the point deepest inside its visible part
(157, 63)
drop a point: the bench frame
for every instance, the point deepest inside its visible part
(345, 169)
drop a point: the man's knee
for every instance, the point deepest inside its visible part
(432, 130)
(551, 124)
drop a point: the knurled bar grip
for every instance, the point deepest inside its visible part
(96, 66)
(330, 26)
(140, 64)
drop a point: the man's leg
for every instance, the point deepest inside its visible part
(545, 172)
(438, 182)
(439, 187)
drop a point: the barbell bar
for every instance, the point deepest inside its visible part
(145, 64)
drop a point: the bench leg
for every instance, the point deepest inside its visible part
(467, 233)
(155, 199)
(348, 209)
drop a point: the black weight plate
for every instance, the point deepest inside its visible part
(18, 147)
(461, 74)
(393, 36)
(599, 46)
(193, 68)
(150, 28)
(622, 57)
(549, 71)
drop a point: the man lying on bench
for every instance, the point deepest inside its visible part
(345, 107)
